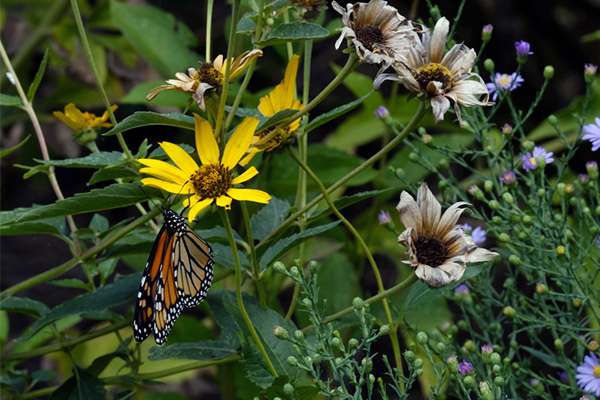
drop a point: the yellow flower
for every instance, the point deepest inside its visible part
(280, 98)
(209, 76)
(79, 121)
(214, 180)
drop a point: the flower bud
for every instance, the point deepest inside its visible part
(589, 72)
(495, 358)
(418, 363)
(281, 333)
(540, 288)
(293, 361)
(497, 369)
(470, 345)
(593, 346)
(576, 303)
(488, 64)
(409, 356)
(560, 250)
(548, 72)
(559, 345)
(288, 389)
(413, 156)
(486, 32)
(486, 391)
(507, 197)
(444, 164)
(336, 342)
(353, 343)
(441, 347)
(313, 266)
(452, 362)
(514, 259)
(503, 237)
(488, 186)
(469, 381)
(307, 303)
(418, 371)
(509, 312)
(278, 266)
(384, 329)
(422, 337)
(358, 303)
(499, 381)
(527, 219)
(295, 273)
(494, 205)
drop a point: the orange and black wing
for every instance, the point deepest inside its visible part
(193, 261)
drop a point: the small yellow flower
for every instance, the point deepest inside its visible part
(213, 181)
(209, 76)
(79, 121)
(280, 98)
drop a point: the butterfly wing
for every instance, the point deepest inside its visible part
(193, 261)
(143, 319)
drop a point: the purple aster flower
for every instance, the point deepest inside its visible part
(522, 48)
(588, 377)
(478, 235)
(465, 368)
(503, 82)
(487, 349)
(506, 129)
(592, 133)
(384, 217)
(562, 375)
(488, 28)
(486, 32)
(591, 165)
(462, 288)
(531, 161)
(583, 178)
(381, 112)
(590, 69)
(508, 177)
(585, 397)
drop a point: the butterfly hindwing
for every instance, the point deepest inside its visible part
(193, 261)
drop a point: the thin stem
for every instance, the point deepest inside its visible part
(256, 275)
(238, 291)
(88, 54)
(238, 97)
(392, 144)
(209, 17)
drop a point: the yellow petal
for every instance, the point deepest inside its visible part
(257, 196)
(242, 61)
(198, 208)
(247, 175)
(160, 184)
(251, 153)
(224, 201)
(239, 142)
(163, 170)
(282, 96)
(180, 157)
(63, 117)
(75, 115)
(206, 144)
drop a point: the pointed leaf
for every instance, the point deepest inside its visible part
(38, 77)
(10, 101)
(94, 160)
(5, 152)
(336, 112)
(24, 305)
(82, 385)
(293, 32)
(147, 118)
(269, 217)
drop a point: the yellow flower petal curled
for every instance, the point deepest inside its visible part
(239, 142)
(79, 120)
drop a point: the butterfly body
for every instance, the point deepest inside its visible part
(177, 275)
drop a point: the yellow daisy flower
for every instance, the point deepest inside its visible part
(209, 76)
(214, 180)
(280, 98)
(79, 121)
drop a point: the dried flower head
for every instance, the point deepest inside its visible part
(438, 252)
(444, 77)
(209, 76)
(377, 31)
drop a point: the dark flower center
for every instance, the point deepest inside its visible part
(430, 251)
(211, 181)
(370, 36)
(208, 74)
(434, 72)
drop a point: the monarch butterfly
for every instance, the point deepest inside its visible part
(178, 274)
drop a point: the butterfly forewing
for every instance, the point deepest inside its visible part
(177, 275)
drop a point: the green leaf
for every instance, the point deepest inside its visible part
(38, 77)
(116, 293)
(269, 217)
(112, 174)
(162, 40)
(278, 117)
(100, 363)
(5, 152)
(10, 101)
(284, 245)
(335, 113)
(94, 160)
(113, 196)
(224, 258)
(202, 350)
(336, 280)
(82, 385)
(72, 283)
(294, 32)
(24, 305)
(146, 118)
(264, 322)
(51, 226)
(42, 376)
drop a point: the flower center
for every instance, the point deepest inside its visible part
(273, 137)
(504, 81)
(211, 181)
(434, 72)
(430, 251)
(533, 161)
(370, 36)
(597, 372)
(208, 74)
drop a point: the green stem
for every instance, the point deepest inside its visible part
(238, 97)
(88, 53)
(209, 17)
(392, 144)
(388, 315)
(92, 251)
(238, 292)
(256, 275)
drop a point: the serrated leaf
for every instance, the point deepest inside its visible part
(5, 152)
(24, 305)
(269, 217)
(113, 196)
(147, 118)
(82, 385)
(155, 34)
(10, 101)
(38, 77)
(94, 160)
(282, 246)
(118, 292)
(294, 32)
(335, 113)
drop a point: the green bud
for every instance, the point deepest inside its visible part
(307, 303)
(295, 273)
(495, 358)
(471, 346)
(541, 162)
(278, 266)
(441, 347)
(462, 324)
(541, 193)
(418, 363)
(499, 381)
(298, 334)
(497, 369)
(452, 362)
(313, 266)
(515, 217)
(503, 237)
(384, 329)
(486, 391)
(527, 219)
(336, 342)
(399, 172)
(574, 201)
(552, 120)
(422, 337)
(528, 145)
(507, 197)
(548, 72)
(409, 356)
(358, 303)
(371, 378)
(339, 361)
(559, 345)
(509, 312)
(418, 372)
(353, 343)
(281, 333)
(488, 64)
(488, 186)
(469, 381)
(444, 164)
(292, 361)
(496, 219)
(568, 234)
(413, 156)
(442, 184)
(288, 389)
(308, 360)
